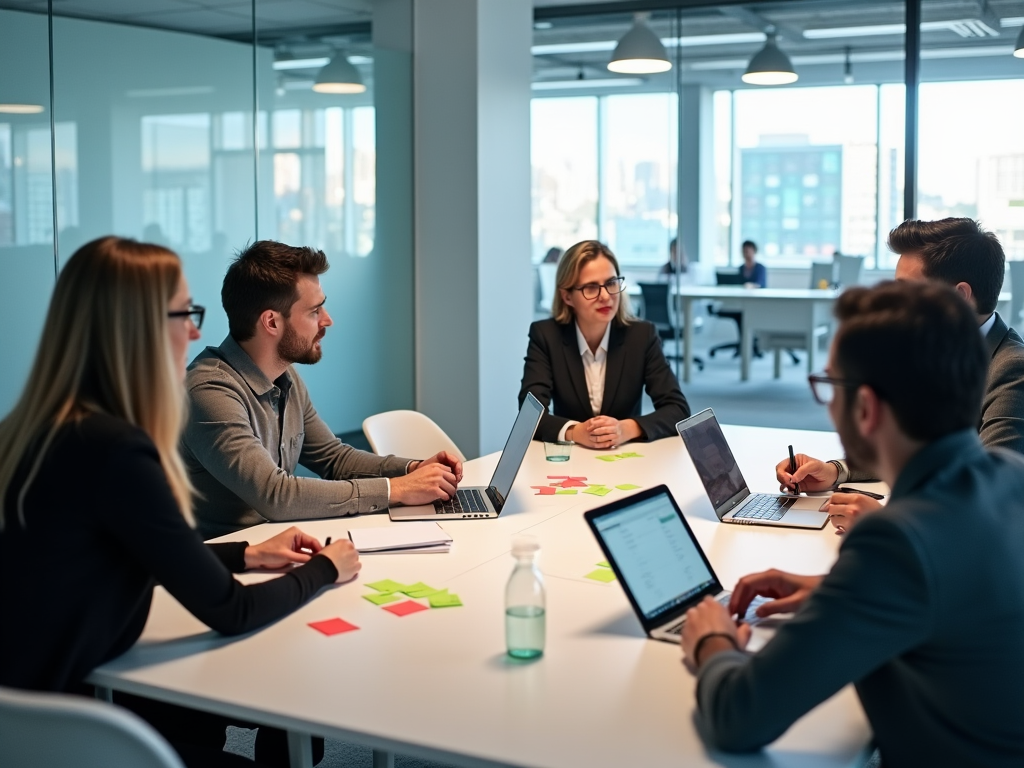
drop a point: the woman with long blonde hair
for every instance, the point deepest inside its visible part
(593, 359)
(97, 506)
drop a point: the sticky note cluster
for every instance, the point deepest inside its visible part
(565, 485)
(619, 456)
(603, 573)
(389, 593)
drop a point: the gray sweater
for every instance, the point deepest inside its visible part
(241, 450)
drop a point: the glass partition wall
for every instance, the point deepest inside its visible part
(173, 126)
(807, 169)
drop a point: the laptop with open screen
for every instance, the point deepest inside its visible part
(732, 500)
(485, 501)
(657, 559)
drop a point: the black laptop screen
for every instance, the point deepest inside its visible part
(657, 557)
(715, 463)
(515, 449)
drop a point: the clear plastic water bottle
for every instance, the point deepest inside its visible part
(524, 602)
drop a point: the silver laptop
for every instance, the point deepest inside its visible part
(658, 561)
(725, 486)
(480, 501)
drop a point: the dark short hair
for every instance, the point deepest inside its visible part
(749, 243)
(956, 251)
(917, 346)
(265, 276)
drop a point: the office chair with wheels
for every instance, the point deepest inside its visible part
(730, 278)
(63, 731)
(407, 433)
(656, 311)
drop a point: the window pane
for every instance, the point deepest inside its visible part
(564, 159)
(639, 162)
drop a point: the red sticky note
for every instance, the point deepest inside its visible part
(332, 626)
(572, 482)
(544, 490)
(404, 609)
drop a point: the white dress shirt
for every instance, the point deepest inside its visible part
(987, 325)
(594, 368)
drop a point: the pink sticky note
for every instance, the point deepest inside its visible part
(332, 626)
(404, 609)
(572, 482)
(544, 490)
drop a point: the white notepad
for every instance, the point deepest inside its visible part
(425, 536)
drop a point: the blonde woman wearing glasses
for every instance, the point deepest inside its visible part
(593, 359)
(97, 506)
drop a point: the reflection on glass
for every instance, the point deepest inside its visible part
(564, 159)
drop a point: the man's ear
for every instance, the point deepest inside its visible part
(867, 410)
(270, 322)
(965, 290)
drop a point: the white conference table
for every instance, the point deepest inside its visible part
(438, 684)
(780, 310)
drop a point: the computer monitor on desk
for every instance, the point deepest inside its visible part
(729, 278)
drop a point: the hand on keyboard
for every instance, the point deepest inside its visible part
(426, 484)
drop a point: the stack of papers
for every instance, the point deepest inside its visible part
(405, 538)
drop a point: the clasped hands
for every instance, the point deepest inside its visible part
(709, 617)
(603, 432)
(844, 509)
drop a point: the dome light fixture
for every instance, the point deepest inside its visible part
(21, 109)
(770, 66)
(640, 51)
(339, 76)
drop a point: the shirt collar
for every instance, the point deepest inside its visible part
(584, 347)
(939, 455)
(987, 325)
(233, 354)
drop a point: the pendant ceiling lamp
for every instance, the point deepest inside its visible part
(339, 75)
(640, 51)
(770, 66)
(1018, 48)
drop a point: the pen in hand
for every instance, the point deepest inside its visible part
(792, 468)
(327, 542)
(869, 494)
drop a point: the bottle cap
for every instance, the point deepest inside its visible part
(524, 544)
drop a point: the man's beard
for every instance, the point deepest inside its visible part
(293, 348)
(859, 452)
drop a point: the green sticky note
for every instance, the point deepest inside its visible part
(607, 457)
(381, 599)
(444, 599)
(419, 589)
(605, 564)
(388, 586)
(630, 455)
(597, 491)
(565, 492)
(601, 574)
(627, 487)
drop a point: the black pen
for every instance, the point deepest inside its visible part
(792, 468)
(327, 543)
(869, 494)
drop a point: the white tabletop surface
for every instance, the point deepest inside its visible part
(438, 684)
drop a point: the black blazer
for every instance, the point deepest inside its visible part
(554, 372)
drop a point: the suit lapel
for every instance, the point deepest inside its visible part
(574, 362)
(996, 334)
(614, 366)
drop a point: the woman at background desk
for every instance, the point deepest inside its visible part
(97, 506)
(593, 360)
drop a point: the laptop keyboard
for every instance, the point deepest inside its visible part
(464, 501)
(751, 618)
(763, 506)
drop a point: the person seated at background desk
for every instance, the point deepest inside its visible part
(593, 360)
(677, 262)
(251, 419)
(924, 609)
(751, 270)
(90, 472)
(957, 252)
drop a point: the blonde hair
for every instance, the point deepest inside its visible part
(569, 267)
(105, 348)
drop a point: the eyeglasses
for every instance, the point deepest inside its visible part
(195, 313)
(824, 387)
(591, 291)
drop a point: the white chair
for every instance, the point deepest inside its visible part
(58, 730)
(409, 434)
(849, 270)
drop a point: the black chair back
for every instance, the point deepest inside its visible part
(656, 305)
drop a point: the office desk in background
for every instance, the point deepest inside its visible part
(438, 684)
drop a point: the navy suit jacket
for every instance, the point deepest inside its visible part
(554, 373)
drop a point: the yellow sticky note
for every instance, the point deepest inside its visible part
(444, 599)
(565, 492)
(607, 457)
(387, 586)
(604, 575)
(597, 490)
(627, 487)
(381, 599)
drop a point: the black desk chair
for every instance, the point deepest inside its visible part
(730, 278)
(656, 311)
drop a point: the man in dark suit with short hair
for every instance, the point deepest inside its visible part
(923, 610)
